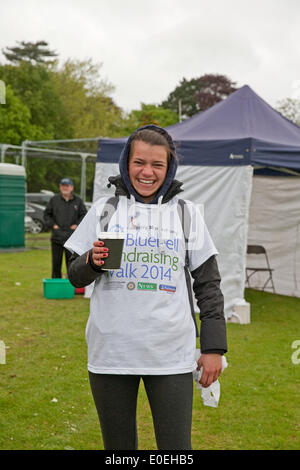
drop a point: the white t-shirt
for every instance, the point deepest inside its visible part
(140, 320)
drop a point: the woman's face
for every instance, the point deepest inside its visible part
(147, 169)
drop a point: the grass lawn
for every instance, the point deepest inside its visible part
(45, 399)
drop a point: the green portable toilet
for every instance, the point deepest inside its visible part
(12, 205)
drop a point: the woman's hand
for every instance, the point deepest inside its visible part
(99, 251)
(212, 368)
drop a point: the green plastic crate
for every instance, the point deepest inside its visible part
(58, 289)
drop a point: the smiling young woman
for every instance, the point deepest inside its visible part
(149, 160)
(140, 325)
(147, 168)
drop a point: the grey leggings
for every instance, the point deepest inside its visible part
(171, 401)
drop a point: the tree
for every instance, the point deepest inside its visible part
(290, 108)
(198, 94)
(89, 111)
(86, 100)
(32, 52)
(34, 112)
(34, 87)
(58, 102)
(185, 93)
(214, 88)
(15, 117)
(148, 114)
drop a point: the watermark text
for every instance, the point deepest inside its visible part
(296, 354)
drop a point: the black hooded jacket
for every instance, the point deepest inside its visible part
(63, 213)
(206, 284)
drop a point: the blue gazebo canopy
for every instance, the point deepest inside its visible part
(241, 130)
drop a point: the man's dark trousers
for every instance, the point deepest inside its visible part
(57, 257)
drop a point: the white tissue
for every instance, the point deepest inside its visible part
(210, 395)
(2, 353)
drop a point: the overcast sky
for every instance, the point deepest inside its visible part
(147, 46)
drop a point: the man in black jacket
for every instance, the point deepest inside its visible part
(63, 214)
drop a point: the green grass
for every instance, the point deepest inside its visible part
(46, 358)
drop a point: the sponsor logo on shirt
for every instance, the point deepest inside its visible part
(116, 228)
(147, 286)
(167, 288)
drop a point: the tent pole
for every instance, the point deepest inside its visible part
(179, 110)
(83, 176)
(24, 152)
(3, 149)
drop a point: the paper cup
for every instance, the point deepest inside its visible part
(114, 241)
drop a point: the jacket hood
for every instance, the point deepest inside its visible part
(123, 166)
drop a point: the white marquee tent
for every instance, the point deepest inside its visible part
(240, 159)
